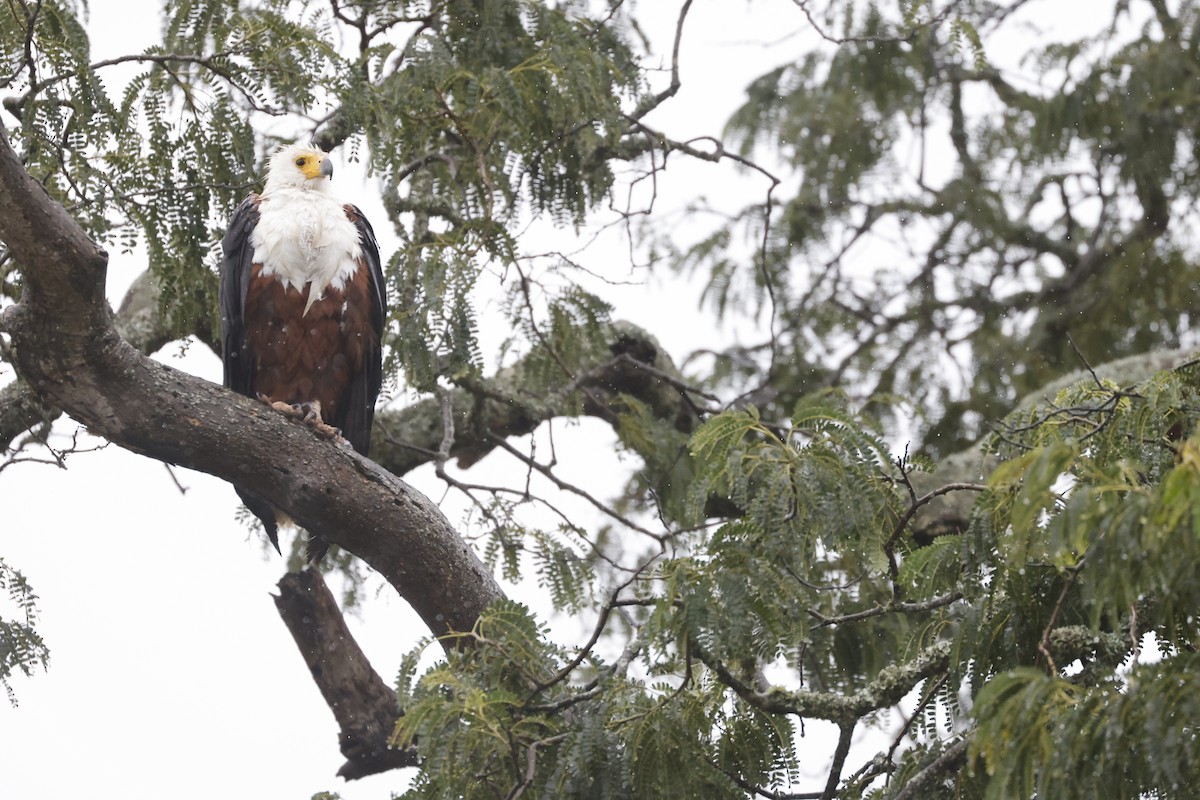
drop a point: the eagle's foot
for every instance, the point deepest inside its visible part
(328, 431)
(309, 414)
(289, 410)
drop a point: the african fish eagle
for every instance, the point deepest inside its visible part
(303, 307)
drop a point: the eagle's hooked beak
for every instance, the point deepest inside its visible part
(327, 167)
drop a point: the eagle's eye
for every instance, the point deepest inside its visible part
(300, 162)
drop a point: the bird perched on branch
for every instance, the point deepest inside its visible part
(302, 308)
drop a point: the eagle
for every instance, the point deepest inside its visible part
(303, 307)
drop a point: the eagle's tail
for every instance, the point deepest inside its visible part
(316, 549)
(265, 513)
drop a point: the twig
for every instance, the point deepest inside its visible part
(889, 608)
(889, 547)
(950, 757)
(597, 631)
(912, 34)
(573, 489)
(1044, 644)
(670, 91)
(175, 479)
(1074, 347)
(531, 764)
(767, 793)
(839, 760)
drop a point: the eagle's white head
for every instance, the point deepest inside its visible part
(303, 235)
(299, 166)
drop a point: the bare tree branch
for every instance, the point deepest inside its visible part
(364, 706)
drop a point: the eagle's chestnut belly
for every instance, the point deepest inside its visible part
(308, 357)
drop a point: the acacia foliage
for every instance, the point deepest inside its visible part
(21, 646)
(1053, 639)
(764, 567)
(1047, 644)
(959, 208)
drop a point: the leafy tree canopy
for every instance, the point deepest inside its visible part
(878, 504)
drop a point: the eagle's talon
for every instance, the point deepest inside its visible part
(310, 414)
(289, 410)
(328, 431)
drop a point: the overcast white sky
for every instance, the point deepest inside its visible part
(171, 674)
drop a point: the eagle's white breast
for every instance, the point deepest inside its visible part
(304, 237)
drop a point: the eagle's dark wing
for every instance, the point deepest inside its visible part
(239, 367)
(235, 277)
(359, 408)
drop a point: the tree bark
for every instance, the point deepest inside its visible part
(363, 705)
(137, 321)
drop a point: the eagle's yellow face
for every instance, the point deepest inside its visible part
(313, 164)
(299, 165)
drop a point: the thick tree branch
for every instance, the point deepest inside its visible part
(950, 760)
(67, 349)
(499, 407)
(364, 706)
(138, 322)
(20, 410)
(888, 688)
(951, 512)
(405, 438)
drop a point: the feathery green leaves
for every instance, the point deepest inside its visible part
(21, 647)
